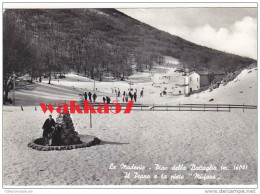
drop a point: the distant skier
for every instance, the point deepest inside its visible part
(94, 97)
(126, 98)
(135, 96)
(89, 96)
(104, 100)
(118, 94)
(85, 96)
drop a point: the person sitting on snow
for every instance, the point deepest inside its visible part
(48, 127)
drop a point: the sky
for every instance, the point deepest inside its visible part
(232, 30)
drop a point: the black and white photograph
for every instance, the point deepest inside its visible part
(140, 95)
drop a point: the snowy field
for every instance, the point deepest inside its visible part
(140, 138)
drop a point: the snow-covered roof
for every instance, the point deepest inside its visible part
(192, 73)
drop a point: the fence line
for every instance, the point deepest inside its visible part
(179, 107)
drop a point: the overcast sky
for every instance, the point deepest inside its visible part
(232, 30)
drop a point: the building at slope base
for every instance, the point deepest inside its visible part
(195, 80)
(191, 82)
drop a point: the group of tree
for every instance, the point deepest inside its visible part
(95, 43)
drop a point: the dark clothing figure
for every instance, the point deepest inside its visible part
(130, 95)
(104, 99)
(89, 96)
(108, 100)
(142, 93)
(94, 97)
(124, 93)
(48, 126)
(118, 94)
(126, 98)
(56, 137)
(85, 96)
(135, 96)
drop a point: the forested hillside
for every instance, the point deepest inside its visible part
(96, 43)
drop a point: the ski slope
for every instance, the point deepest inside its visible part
(142, 138)
(242, 89)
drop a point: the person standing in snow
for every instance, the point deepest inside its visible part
(141, 93)
(123, 97)
(135, 96)
(94, 97)
(48, 127)
(126, 98)
(89, 96)
(108, 100)
(130, 95)
(104, 99)
(118, 94)
(85, 96)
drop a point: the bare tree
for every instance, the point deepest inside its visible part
(18, 52)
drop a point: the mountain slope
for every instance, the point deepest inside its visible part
(118, 40)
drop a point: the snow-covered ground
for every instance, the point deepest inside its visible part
(69, 88)
(241, 90)
(140, 138)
